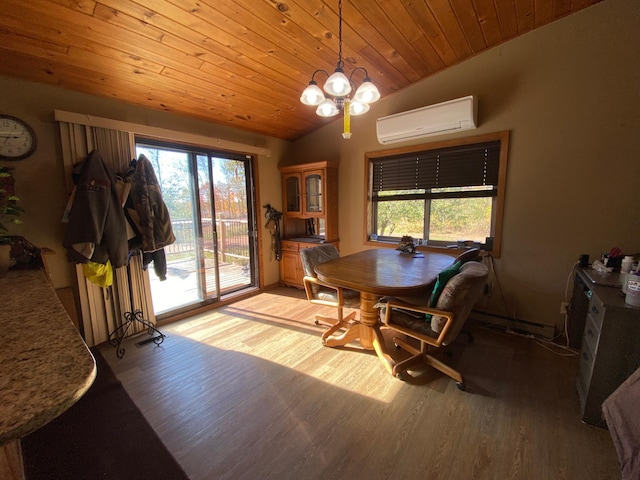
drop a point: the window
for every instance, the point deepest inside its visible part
(441, 193)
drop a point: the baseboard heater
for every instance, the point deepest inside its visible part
(514, 324)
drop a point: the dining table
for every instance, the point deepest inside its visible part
(378, 273)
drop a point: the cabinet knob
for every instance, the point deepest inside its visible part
(589, 332)
(585, 356)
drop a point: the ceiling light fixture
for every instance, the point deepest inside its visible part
(338, 87)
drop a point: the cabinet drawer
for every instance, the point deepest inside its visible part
(290, 246)
(585, 369)
(591, 333)
(596, 311)
(587, 358)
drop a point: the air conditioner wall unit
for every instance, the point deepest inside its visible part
(446, 117)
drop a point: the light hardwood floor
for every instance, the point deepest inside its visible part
(247, 391)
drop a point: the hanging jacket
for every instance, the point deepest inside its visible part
(149, 212)
(96, 229)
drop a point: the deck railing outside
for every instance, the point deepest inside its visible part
(233, 239)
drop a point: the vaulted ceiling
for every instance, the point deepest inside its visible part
(244, 63)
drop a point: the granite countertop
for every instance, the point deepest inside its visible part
(45, 366)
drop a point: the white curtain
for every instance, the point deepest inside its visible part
(103, 309)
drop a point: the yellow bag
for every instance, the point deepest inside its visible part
(98, 273)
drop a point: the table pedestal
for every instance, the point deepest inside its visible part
(366, 330)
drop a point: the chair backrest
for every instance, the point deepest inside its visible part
(468, 255)
(312, 256)
(461, 294)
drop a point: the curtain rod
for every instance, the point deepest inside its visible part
(161, 133)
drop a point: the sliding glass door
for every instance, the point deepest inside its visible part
(209, 196)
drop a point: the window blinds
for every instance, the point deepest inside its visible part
(458, 166)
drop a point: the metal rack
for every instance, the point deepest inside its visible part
(130, 319)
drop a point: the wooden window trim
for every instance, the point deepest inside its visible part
(503, 137)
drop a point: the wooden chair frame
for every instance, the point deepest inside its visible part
(420, 355)
(335, 324)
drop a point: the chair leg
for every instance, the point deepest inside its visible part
(446, 369)
(324, 320)
(406, 346)
(401, 367)
(421, 355)
(330, 321)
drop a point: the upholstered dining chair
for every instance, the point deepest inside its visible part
(436, 323)
(321, 293)
(466, 256)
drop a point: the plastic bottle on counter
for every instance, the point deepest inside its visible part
(627, 263)
(624, 278)
(633, 290)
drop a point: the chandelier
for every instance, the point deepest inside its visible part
(338, 87)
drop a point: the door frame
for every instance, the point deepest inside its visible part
(253, 215)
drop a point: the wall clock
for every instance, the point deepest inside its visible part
(17, 138)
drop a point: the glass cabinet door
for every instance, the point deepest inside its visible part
(292, 189)
(313, 193)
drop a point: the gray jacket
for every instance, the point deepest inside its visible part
(96, 230)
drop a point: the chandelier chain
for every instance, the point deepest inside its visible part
(338, 88)
(340, 62)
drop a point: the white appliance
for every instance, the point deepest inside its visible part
(446, 117)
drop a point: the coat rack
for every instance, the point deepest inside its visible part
(130, 319)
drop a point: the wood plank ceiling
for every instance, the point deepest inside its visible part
(244, 63)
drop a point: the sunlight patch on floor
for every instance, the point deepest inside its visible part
(292, 344)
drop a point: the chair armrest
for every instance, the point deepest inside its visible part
(391, 304)
(309, 281)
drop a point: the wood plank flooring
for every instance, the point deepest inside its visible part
(247, 391)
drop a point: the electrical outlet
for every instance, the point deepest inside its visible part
(564, 306)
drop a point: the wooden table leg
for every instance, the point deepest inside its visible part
(367, 331)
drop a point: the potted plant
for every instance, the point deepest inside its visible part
(10, 212)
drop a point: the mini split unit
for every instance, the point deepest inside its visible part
(446, 117)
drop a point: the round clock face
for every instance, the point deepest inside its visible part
(17, 139)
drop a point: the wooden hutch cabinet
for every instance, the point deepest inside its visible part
(310, 216)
